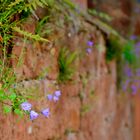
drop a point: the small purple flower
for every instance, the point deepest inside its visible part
(125, 85)
(26, 106)
(50, 97)
(137, 44)
(33, 115)
(46, 112)
(90, 43)
(57, 93)
(137, 48)
(128, 71)
(137, 10)
(133, 37)
(138, 72)
(88, 50)
(55, 98)
(134, 89)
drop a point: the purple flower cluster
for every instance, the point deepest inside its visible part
(134, 89)
(54, 97)
(137, 44)
(128, 71)
(33, 114)
(137, 49)
(132, 81)
(89, 44)
(138, 72)
(133, 37)
(26, 106)
(137, 10)
(133, 84)
(125, 85)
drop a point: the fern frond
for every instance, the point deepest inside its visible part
(41, 24)
(30, 35)
(33, 4)
(12, 4)
(69, 3)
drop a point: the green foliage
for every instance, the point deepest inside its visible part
(44, 73)
(41, 23)
(68, 131)
(25, 5)
(92, 94)
(50, 2)
(117, 50)
(6, 76)
(66, 61)
(124, 53)
(32, 5)
(114, 48)
(18, 112)
(84, 79)
(12, 13)
(30, 35)
(128, 52)
(10, 98)
(69, 3)
(7, 109)
(101, 15)
(13, 8)
(41, 28)
(85, 109)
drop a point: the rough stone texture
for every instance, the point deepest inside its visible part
(90, 107)
(120, 12)
(34, 60)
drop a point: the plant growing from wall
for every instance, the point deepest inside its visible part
(126, 55)
(66, 61)
(8, 95)
(114, 48)
(102, 15)
(12, 13)
(131, 68)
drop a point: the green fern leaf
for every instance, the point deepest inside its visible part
(30, 35)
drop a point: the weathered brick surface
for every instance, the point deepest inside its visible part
(89, 108)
